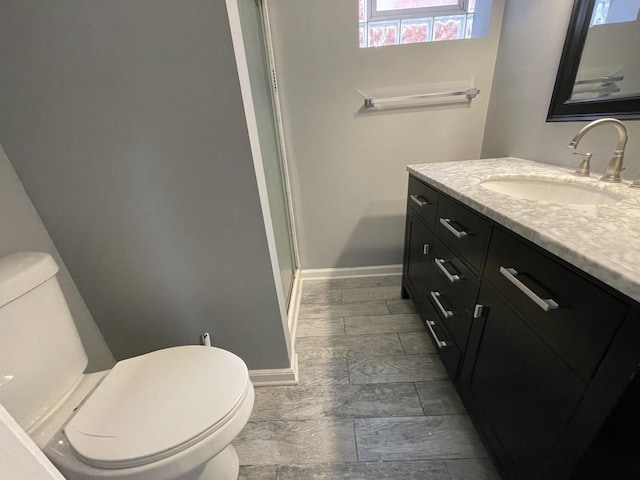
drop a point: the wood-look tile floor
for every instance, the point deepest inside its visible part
(374, 401)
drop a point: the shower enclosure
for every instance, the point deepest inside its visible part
(253, 18)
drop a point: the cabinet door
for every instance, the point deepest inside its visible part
(418, 244)
(524, 391)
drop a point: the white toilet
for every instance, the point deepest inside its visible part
(167, 415)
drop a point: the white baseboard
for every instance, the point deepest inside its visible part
(321, 273)
(276, 376)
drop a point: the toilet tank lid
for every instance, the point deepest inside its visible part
(22, 272)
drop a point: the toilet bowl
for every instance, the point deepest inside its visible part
(170, 414)
(166, 415)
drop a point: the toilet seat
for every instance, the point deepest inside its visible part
(120, 425)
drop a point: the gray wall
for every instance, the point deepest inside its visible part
(531, 43)
(124, 120)
(21, 230)
(348, 167)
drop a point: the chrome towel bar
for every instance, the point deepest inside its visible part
(372, 102)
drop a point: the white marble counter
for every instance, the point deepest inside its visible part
(602, 240)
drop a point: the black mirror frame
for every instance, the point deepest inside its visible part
(560, 110)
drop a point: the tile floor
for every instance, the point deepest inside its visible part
(374, 401)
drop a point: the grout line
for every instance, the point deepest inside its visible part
(356, 357)
(419, 399)
(446, 468)
(402, 344)
(355, 440)
(361, 334)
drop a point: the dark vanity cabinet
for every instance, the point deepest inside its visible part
(540, 352)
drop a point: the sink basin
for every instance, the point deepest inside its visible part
(549, 190)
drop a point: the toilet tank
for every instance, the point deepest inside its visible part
(41, 356)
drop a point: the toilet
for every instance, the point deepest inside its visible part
(166, 415)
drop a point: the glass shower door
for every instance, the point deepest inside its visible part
(263, 103)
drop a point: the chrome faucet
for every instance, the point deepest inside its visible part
(612, 173)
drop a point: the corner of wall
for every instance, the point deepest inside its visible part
(22, 230)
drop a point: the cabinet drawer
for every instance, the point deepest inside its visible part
(573, 316)
(447, 350)
(423, 199)
(452, 316)
(453, 290)
(464, 231)
(451, 275)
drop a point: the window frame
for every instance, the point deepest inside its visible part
(374, 15)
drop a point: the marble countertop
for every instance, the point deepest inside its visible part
(602, 240)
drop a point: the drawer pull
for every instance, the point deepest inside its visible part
(440, 264)
(440, 343)
(545, 304)
(436, 299)
(418, 200)
(447, 224)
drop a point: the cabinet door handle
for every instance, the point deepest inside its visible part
(440, 264)
(420, 201)
(436, 299)
(545, 304)
(447, 224)
(440, 343)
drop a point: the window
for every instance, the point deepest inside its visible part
(608, 11)
(393, 22)
(402, 7)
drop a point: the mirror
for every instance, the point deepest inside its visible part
(599, 73)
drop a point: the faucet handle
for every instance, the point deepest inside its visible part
(636, 183)
(583, 169)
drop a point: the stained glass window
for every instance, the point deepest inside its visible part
(394, 22)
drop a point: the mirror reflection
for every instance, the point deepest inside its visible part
(610, 63)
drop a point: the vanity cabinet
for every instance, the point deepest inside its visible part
(540, 352)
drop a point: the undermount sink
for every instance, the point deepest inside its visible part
(549, 190)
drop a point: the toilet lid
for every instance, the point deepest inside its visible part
(155, 405)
